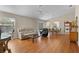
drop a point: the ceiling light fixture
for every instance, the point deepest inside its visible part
(70, 6)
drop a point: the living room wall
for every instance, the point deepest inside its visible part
(77, 15)
(61, 19)
(21, 22)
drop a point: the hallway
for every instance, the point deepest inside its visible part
(54, 43)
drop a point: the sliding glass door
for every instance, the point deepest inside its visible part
(6, 27)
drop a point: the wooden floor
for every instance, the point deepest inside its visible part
(54, 43)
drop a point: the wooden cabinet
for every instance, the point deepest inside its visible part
(74, 36)
(74, 33)
(71, 29)
(67, 27)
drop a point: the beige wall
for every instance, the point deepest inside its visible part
(67, 17)
(21, 21)
(77, 14)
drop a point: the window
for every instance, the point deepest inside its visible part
(57, 24)
(6, 26)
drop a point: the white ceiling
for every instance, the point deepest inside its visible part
(47, 11)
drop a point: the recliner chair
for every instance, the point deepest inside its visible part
(44, 32)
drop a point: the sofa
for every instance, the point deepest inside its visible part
(27, 33)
